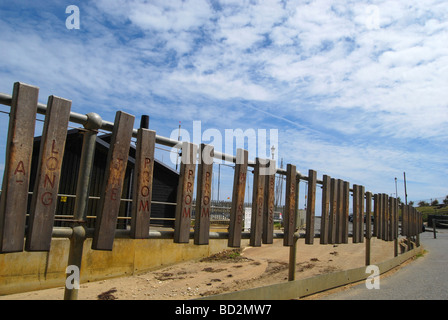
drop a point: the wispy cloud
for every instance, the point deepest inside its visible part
(356, 88)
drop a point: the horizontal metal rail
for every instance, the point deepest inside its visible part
(82, 119)
(66, 232)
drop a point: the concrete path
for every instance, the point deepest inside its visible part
(426, 278)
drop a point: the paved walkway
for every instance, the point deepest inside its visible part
(426, 278)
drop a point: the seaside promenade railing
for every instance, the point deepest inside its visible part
(16, 234)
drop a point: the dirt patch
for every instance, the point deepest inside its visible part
(228, 271)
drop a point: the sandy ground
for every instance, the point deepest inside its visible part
(228, 271)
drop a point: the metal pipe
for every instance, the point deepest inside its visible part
(67, 232)
(6, 99)
(78, 236)
(293, 248)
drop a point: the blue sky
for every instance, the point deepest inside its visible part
(358, 90)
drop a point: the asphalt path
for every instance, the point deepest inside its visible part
(425, 278)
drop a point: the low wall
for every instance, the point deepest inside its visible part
(28, 271)
(304, 287)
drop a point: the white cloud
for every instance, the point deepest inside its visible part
(318, 70)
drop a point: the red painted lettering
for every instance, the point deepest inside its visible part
(114, 194)
(144, 191)
(205, 212)
(53, 149)
(50, 182)
(187, 199)
(20, 168)
(47, 198)
(186, 212)
(147, 162)
(52, 163)
(144, 206)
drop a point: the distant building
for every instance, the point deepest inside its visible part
(165, 181)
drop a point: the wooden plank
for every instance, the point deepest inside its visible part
(117, 159)
(345, 211)
(395, 211)
(182, 223)
(355, 227)
(289, 213)
(376, 208)
(361, 194)
(339, 212)
(404, 219)
(45, 193)
(19, 148)
(381, 217)
(142, 184)
(333, 211)
(256, 225)
(325, 219)
(310, 208)
(268, 208)
(414, 221)
(391, 220)
(386, 218)
(237, 210)
(203, 195)
(368, 215)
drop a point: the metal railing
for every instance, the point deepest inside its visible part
(335, 203)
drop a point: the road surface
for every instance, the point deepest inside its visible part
(426, 278)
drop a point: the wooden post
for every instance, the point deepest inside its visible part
(256, 226)
(45, 194)
(333, 211)
(361, 214)
(391, 220)
(182, 222)
(381, 216)
(203, 195)
(268, 208)
(368, 226)
(419, 228)
(376, 208)
(310, 208)
(368, 215)
(142, 184)
(395, 211)
(290, 205)
(345, 211)
(356, 230)
(19, 148)
(117, 159)
(339, 211)
(386, 218)
(324, 220)
(237, 210)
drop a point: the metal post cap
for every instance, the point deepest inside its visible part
(94, 121)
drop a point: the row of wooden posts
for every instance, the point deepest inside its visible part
(13, 204)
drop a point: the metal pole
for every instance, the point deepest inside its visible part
(293, 248)
(434, 228)
(82, 197)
